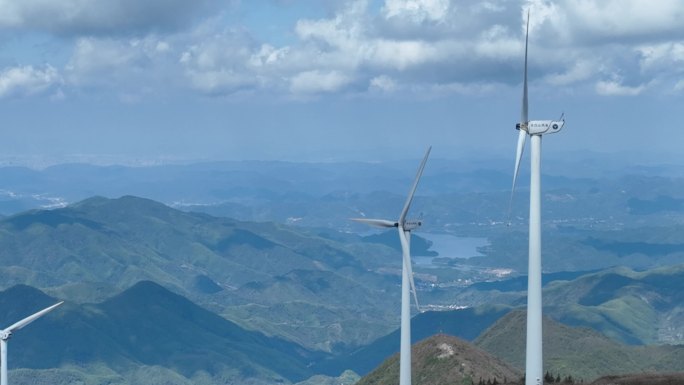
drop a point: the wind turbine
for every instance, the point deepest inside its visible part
(404, 227)
(6, 333)
(534, 129)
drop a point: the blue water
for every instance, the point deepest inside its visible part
(451, 246)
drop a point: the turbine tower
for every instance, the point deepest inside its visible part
(6, 333)
(534, 129)
(404, 227)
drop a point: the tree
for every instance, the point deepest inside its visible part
(548, 378)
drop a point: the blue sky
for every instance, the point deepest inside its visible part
(335, 79)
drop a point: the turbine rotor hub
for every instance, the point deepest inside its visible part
(5, 335)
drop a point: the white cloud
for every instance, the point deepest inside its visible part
(661, 56)
(497, 43)
(219, 81)
(417, 10)
(679, 86)
(225, 62)
(626, 18)
(317, 81)
(109, 62)
(268, 55)
(401, 54)
(488, 6)
(582, 69)
(614, 87)
(383, 83)
(581, 22)
(27, 80)
(427, 44)
(343, 31)
(163, 46)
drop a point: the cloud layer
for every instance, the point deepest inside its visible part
(127, 47)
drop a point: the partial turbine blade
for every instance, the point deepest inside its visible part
(375, 222)
(523, 116)
(522, 137)
(31, 318)
(406, 253)
(407, 205)
(522, 134)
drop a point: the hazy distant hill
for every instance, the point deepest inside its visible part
(629, 306)
(146, 334)
(284, 281)
(444, 360)
(597, 212)
(634, 307)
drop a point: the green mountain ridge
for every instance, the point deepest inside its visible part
(634, 307)
(99, 245)
(579, 352)
(609, 321)
(143, 327)
(326, 291)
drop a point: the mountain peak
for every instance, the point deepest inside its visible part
(21, 301)
(443, 359)
(125, 201)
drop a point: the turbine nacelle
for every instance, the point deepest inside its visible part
(541, 127)
(5, 335)
(411, 224)
(407, 226)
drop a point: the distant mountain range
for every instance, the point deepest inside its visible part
(147, 334)
(633, 307)
(144, 328)
(325, 300)
(324, 291)
(598, 213)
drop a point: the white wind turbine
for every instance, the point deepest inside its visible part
(6, 333)
(404, 226)
(534, 129)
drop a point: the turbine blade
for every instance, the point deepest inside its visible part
(523, 115)
(375, 222)
(406, 253)
(31, 318)
(405, 210)
(522, 134)
(522, 137)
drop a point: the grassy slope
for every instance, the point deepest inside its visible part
(580, 352)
